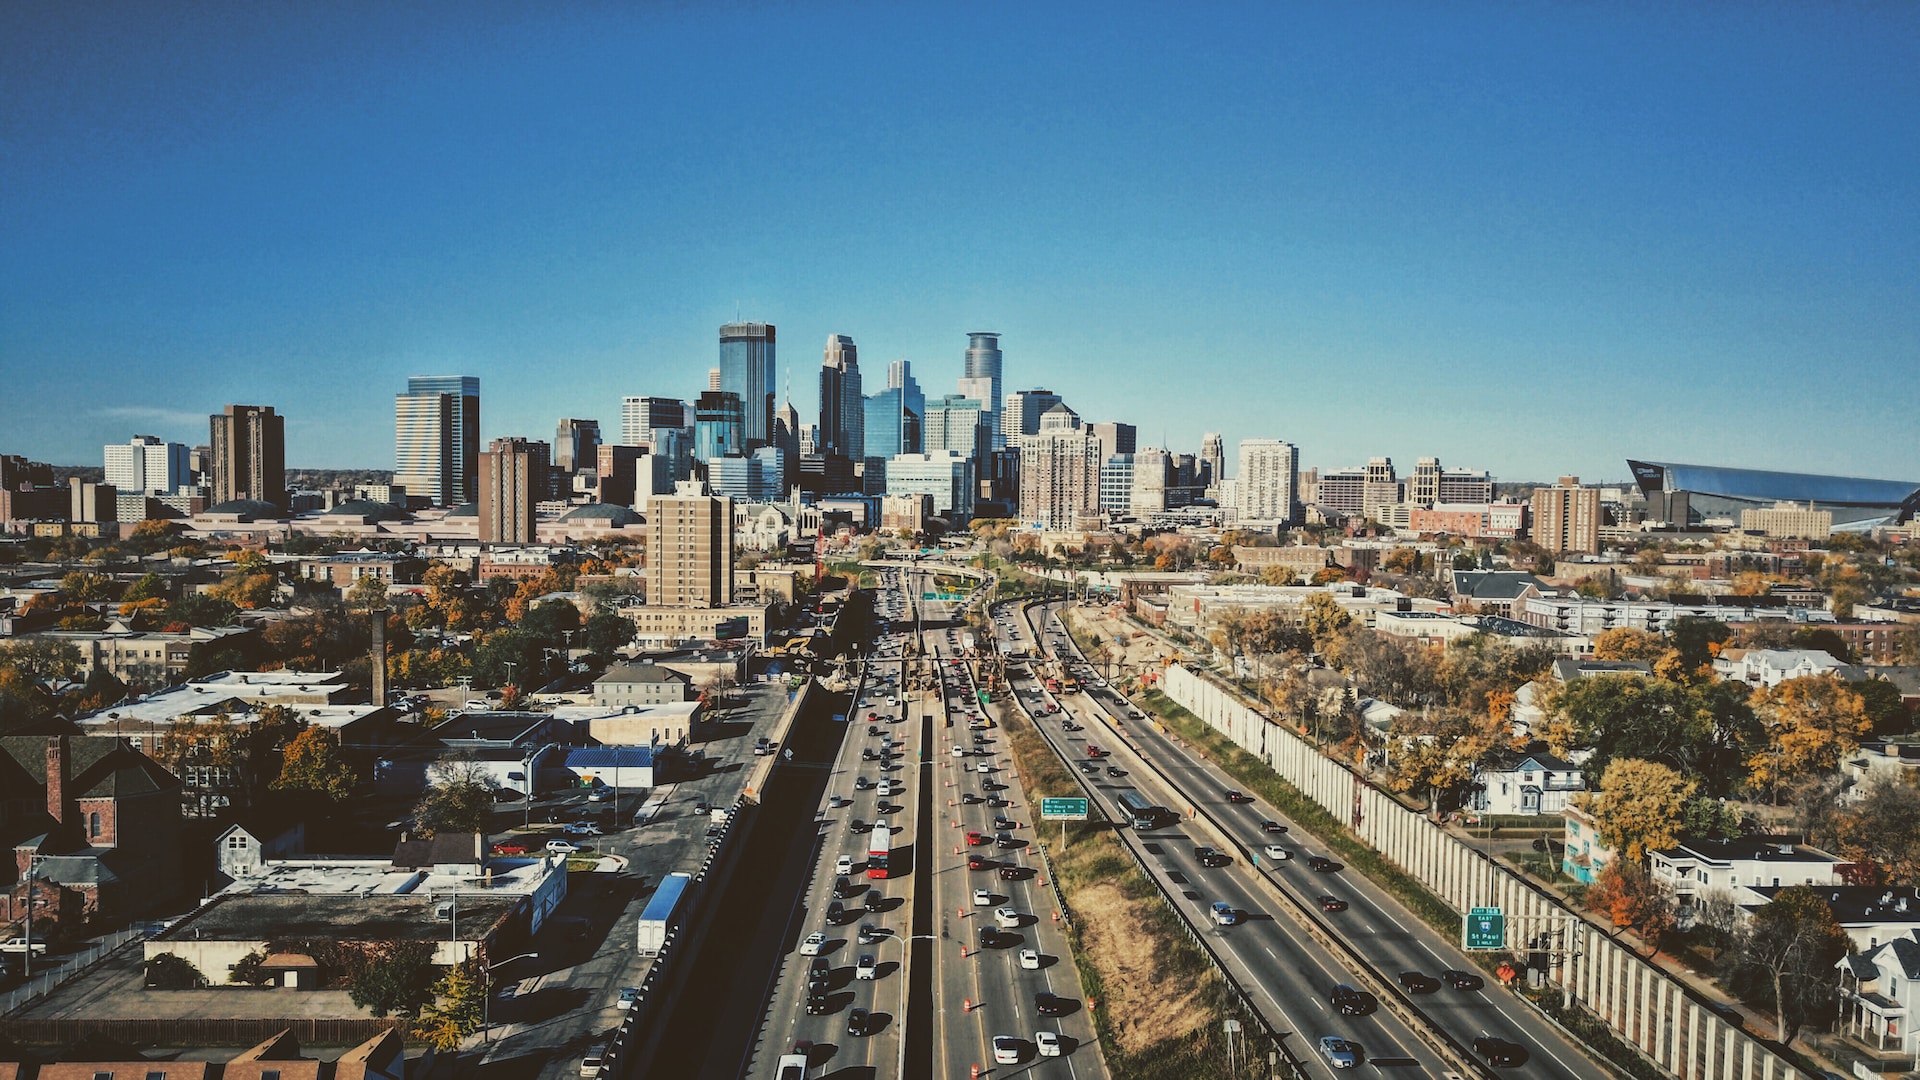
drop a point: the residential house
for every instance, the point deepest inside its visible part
(1566, 668)
(1525, 783)
(1585, 854)
(1880, 994)
(1696, 868)
(641, 684)
(1870, 914)
(1771, 667)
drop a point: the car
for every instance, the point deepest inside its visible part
(1006, 917)
(860, 1022)
(1004, 823)
(1090, 768)
(1116, 771)
(600, 794)
(1276, 853)
(1006, 1050)
(819, 971)
(1352, 1001)
(1047, 1043)
(976, 839)
(1415, 982)
(843, 865)
(873, 729)
(861, 783)
(510, 847)
(702, 808)
(1238, 797)
(983, 765)
(580, 828)
(1462, 980)
(959, 751)
(970, 799)
(813, 944)
(1320, 864)
(874, 900)
(978, 862)
(997, 802)
(1209, 856)
(993, 785)
(817, 1004)
(629, 997)
(869, 933)
(1224, 915)
(864, 967)
(1030, 959)
(561, 847)
(1339, 1053)
(1046, 1003)
(1007, 840)
(791, 1067)
(1331, 903)
(836, 913)
(1012, 873)
(1270, 825)
(1068, 725)
(1499, 1051)
(982, 898)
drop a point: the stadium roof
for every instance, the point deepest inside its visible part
(1760, 485)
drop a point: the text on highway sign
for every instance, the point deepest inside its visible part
(1064, 809)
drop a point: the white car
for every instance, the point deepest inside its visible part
(1006, 918)
(1276, 853)
(814, 943)
(792, 1067)
(561, 847)
(1047, 1042)
(959, 751)
(1030, 959)
(629, 997)
(1006, 1050)
(982, 898)
(864, 967)
(843, 865)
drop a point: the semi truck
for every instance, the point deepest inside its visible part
(663, 911)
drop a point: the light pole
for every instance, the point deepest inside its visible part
(509, 665)
(486, 991)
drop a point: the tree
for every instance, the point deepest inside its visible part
(367, 593)
(1810, 723)
(312, 762)
(86, 587)
(516, 647)
(456, 1010)
(1435, 753)
(202, 609)
(1787, 957)
(460, 802)
(1885, 708)
(1278, 575)
(250, 969)
(1628, 643)
(1709, 819)
(394, 976)
(606, 633)
(1633, 899)
(170, 972)
(1882, 827)
(1321, 616)
(1638, 806)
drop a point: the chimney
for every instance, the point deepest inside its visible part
(377, 656)
(57, 778)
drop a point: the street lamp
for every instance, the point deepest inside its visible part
(486, 986)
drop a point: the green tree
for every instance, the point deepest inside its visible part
(607, 633)
(503, 647)
(1787, 955)
(1638, 807)
(312, 762)
(86, 587)
(550, 621)
(1709, 819)
(394, 977)
(367, 593)
(1882, 829)
(461, 801)
(456, 1010)
(169, 972)
(202, 609)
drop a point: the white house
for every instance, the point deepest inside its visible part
(1878, 996)
(1870, 914)
(1525, 783)
(1695, 867)
(641, 684)
(244, 849)
(1771, 667)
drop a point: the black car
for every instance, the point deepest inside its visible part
(1012, 873)
(1115, 770)
(993, 785)
(1418, 983)
(1352, 1001)
(860, 1022)
(1331, 903)
(1007, 840)
(1271, 825)
(1005, 823)
(874, 900)
(1068, 725)
(842, 887)
(969, 799)
(817, 1004)
(1320, 864)
(819, 973)
(1238, 797)
(1499, 1051)
(857, 825)
(1462, 980)
(836, 913)
(1046, 1004)
(1211, 857)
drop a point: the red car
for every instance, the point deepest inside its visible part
(975, 839)
(1093, 751)
(976, 862)
(510, 847)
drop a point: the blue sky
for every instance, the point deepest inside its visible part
(1531, 238)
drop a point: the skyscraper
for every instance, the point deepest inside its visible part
(1059, 471)
(1021, 413)
(747, 370)
(576, 445)
(147, 465)
(1424, 488)
(786, 437)
(842, 407)
(891, 427)
(1152, 475)
(719, 426)
(1213, 454)
(513, 479)
(1566, 517)
(1382, 487)
(249, 448)
(957, 423)
(1115, 438)
(642, 417)
(900, 377)
(690, 550)
(1266, 484)
(983, 362)
(436, 438)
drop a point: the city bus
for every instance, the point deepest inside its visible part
(879, 842)
(1144, 815)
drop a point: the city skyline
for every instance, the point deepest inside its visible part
(1466, 229)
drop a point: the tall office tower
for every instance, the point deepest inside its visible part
(1264, 485)
(249, 450)
(1115, 438)
(147, 465)
(756, 477)
(1152, 476)
(981, 390)
(436, 437)
(900, 377)
(1566, 517)
(1021, 411)
(713, 379)
(620, 469)
(957, 423)
(842, 407)
(690, 549)
(747, 369)
(1059, 471)
(809, 440)
(1382, 488)
(576, 445)
(1424, 488)
(891, 427)
(1344, 491)
(786, 436)
(1465, 486)
(719, 426)
(513, 479)
(1116, 485)
(1213, 454)
(983, 362)
(641, 417)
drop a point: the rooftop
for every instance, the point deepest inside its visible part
(343, 916)
(1858, 904)
(640, 673)
(1746, 849)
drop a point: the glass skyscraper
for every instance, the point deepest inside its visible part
(983, 362)
(718, 427)
(436, 438)
(746, 371)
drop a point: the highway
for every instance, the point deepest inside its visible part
(1389, 938)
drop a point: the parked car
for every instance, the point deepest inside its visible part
(561, 847)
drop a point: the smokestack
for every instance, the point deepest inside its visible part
(57, 778)
(377, 656)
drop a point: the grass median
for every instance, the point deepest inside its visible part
(1161, 1002)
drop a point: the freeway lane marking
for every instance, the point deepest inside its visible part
(1270, 952)
(1435, 955)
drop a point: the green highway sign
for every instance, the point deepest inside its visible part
(1486, 928)
(1064, 809)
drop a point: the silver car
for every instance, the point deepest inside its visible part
(1339, 1053)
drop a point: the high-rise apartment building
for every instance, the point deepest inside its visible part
(1213, 455)
(513, 480)
(1424, 488)
(983, 362)
(1465, 486)
(1022, 410)
(1152, 473)
(1343, 491)
(842, 406)
(1566, 517)
(147, 465)
(1382, 487)
(576, 445)
(957, 423)
(747, 370)
(690, 549)
(1059, 471)
(1116, 485)
(436, 438)
(1265, 484)
(719, 426)
(1115, 438)
(249, 448)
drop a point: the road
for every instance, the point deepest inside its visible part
(1390, 938)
